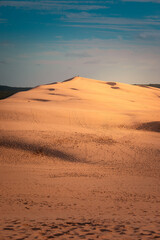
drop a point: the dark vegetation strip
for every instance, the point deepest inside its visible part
(6, 91)
(148, 85)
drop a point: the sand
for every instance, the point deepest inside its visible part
(80, 159)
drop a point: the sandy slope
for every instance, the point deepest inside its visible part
(80, 159)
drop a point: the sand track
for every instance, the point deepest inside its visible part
(62, 229)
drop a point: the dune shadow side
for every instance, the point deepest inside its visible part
(40, 100)
(51, 89)
(145, 86)
(111, 83)
(69, 79)
(74, 89)
(149, 126)
(38, 149)
(115, 87)
(59, 94)
(51, 83)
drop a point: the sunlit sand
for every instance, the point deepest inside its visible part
(80, 159)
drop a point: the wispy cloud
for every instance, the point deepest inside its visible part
(2, 20)
(3, 62)
(84, 17)
(78, 54)
(126, 65)
(6, 44)
(154, 1)
(151, 35)
(58, 5)
(49, 62)
(130, 28)
(50, 53)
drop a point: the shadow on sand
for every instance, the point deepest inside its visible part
(69, 79)
(149, 126)
(111, 83)
(38, 149)
(115, 87)
(40, 100)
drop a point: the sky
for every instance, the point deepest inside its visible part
(46, 41)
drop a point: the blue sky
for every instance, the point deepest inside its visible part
(46, 41)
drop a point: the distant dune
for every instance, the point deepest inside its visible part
(95, 103)
(80, 159)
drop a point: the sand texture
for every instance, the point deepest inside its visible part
(80, 159)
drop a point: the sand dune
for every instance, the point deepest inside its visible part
(80, 159)
(84, 102)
